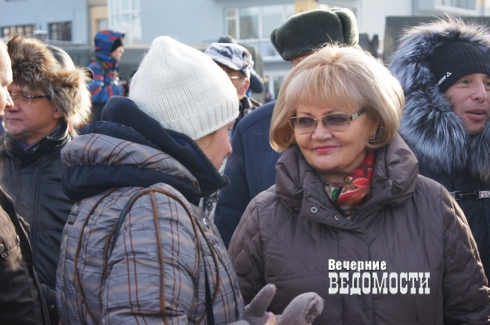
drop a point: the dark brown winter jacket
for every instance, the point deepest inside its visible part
(407, 257)
(21, 301)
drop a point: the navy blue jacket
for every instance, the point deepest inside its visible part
(250, 168)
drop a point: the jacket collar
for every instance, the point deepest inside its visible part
(129, 123)
(298, 186)
(429, 125)
(45, 146)
(108, 155)
(108, 62)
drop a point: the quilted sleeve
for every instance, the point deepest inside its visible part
(466, 295)
(246, 253)
(154, 265)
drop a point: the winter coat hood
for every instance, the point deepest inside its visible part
(429, 125)
(146, 154)
(104, 41)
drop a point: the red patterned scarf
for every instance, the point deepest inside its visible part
(348, 196)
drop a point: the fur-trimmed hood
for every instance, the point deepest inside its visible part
(35, 67)
(430, 127)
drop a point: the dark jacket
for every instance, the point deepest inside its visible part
(33, 180)
(161, 253)
(436, 134)
(250, 168)
(247, 105)
(290, 233)
(21, 301)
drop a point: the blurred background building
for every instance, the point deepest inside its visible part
(71, 24)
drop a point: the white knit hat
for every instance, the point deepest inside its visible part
(184, 89)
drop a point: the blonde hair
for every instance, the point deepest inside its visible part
(343, 77)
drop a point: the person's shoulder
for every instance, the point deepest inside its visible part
(266, 200)
(93, 63)
(433, 193)
(255, 103)
(257, 118)
(428, 187)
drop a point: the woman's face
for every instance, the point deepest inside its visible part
(216, 145)
(335, 155)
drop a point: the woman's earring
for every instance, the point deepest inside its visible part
(373, 137)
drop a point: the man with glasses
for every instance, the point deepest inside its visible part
(251, 166)
(21, 301)
(237, 62)
(50, 101)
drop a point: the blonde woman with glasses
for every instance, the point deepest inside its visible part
(349, 217)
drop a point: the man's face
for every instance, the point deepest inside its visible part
(470, 99)
(117, 53)
(240, 82)
(5, 80)
(28, 120)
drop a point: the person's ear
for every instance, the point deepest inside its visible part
(246, 85)
(57, 114)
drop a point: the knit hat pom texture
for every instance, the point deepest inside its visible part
(183, 89)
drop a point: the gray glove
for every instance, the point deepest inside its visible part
(303, 310)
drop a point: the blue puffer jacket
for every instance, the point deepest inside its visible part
(105, 83)
(250, 168)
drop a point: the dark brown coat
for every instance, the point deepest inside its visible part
(21, 301)
(289, 233)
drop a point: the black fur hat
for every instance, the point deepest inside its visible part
(305, 32)
(35, 67)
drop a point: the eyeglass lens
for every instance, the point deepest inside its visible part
(335, 122)
(24, 98)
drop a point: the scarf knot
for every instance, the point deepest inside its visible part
(349, 196)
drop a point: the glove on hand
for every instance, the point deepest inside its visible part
(303, 310)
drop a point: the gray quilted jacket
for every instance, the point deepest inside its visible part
(155, 272)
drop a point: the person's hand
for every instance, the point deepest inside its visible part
(271, 319)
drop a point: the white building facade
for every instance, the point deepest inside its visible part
(200, 22)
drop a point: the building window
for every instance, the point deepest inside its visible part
(256, 22)
(125, 17)
(60, 31)
(26, 30)
(463, 4)
(102, 24)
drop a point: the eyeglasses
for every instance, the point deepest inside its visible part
(333, 122)
(21, 97)
(231, 77)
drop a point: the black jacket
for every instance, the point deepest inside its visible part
(250, 167)
(21, 301)
(437, 135)
(33, 181)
